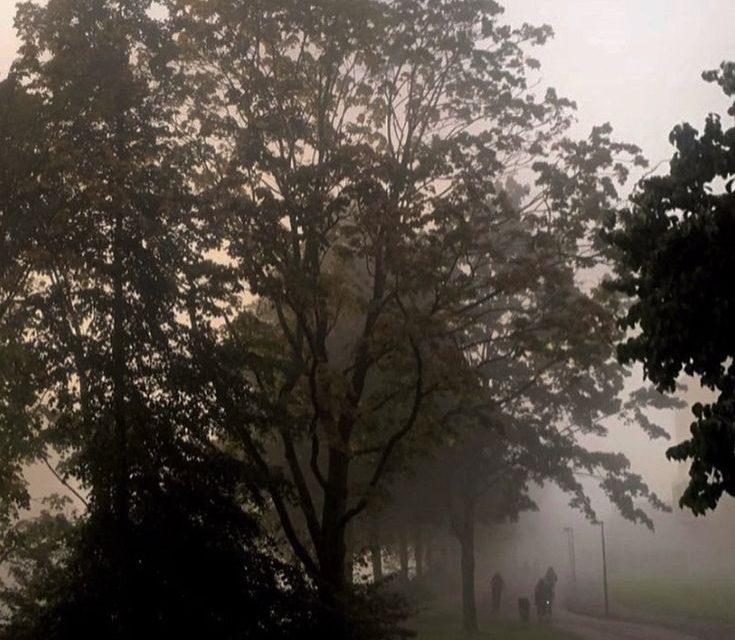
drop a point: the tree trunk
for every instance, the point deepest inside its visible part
(463, 526)
(349, 557)
(332, 548)
(332, 551)
(467, 548)
(429, 553)
(403, 553)
(376, 550)
(118, 452)
(376, 556)
(418, 549)
(120, 489)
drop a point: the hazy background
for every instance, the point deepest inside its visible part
(633, 63)
(636, 64)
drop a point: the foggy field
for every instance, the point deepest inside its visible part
(444, 626)
(701, 601)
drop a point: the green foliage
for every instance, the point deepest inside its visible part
(105, 282)
(374, 611)
(20, 370)
(258, 256)
(35, 554)
(354, 151)
(198, 569)
(359, 158)
(674, 261)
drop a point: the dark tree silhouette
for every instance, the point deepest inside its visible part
(675, 261)
(356, 154)
(101, 240)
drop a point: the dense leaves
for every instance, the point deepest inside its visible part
(103, 244)
(676, 263)
(257, 257)
(367, 156)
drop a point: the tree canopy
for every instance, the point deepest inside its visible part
(101, 239)
(260, 256)
(675, 260)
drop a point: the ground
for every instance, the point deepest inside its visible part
(445, 625)
(712, 602)
(442, 621)
(670, 608)
(644, 609)
(591, 628)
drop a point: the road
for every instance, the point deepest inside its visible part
(587, 628)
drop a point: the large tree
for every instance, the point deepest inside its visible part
(675, 260)
(357, 146)
(102, 243)
(357, 152)
(276, 244)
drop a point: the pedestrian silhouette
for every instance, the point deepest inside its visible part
(496, 591)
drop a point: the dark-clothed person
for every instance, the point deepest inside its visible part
(496, 592)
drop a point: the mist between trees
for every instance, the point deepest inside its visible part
(283, 283)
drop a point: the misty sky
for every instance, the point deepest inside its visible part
(634, 63)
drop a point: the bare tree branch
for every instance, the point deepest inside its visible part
(63, 481)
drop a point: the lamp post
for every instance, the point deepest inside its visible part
(572, 560)
(604, 565)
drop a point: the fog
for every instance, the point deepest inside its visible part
(637, 65)
(634, 64)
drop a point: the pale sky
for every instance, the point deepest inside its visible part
(634, 63)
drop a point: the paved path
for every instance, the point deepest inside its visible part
(587, 628)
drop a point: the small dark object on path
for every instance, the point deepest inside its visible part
(524, 609)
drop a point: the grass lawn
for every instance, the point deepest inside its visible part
(443, 626)
(709, 601)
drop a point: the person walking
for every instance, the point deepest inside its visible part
(496, 592)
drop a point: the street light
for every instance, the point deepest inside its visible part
(572, 560)
(604, 564)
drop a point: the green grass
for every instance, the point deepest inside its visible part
(445, 626)
(678, 599)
